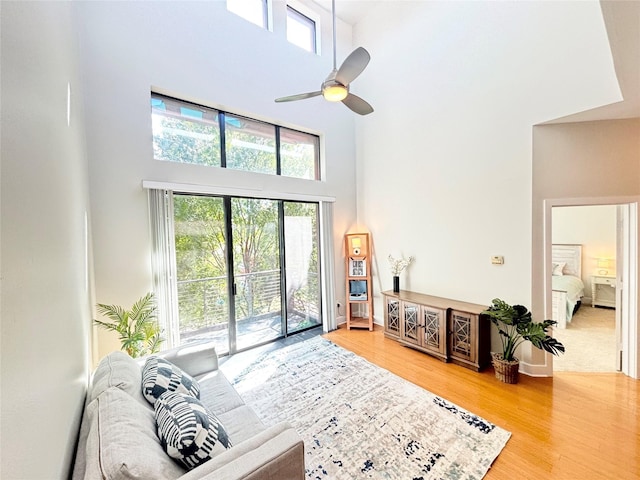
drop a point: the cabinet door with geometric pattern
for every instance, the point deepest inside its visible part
(410, 324)
(462, 335)
(434, 337)
(392, 316)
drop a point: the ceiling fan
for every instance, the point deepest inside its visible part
(335, 88)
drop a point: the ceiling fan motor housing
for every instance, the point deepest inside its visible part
(333, 90)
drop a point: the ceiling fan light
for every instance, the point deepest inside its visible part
(335, 93)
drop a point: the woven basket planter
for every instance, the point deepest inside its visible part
(506, 371)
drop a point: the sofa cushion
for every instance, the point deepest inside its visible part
(241, 423)
(122, 442)
(160, 376)
(188, 431)
(117, 369)
(217, 393)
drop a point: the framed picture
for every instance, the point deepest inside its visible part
(357, 268)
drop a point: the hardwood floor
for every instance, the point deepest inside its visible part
(572, 426)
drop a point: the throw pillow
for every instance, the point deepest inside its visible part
(558, 268)
(160, 376)
(189, 432)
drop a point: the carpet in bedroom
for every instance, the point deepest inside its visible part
(361, 421)
(590, 341)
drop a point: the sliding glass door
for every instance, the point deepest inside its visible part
(202, 281)
(247, 269)
(256, 270)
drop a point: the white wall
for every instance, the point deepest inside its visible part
(593, 227)
(197, 51)
(45, 271)
(444, 167)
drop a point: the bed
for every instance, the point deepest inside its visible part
(567, 287)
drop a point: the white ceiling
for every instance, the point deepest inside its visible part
(622, 20)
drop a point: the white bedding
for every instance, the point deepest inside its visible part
(574, 288)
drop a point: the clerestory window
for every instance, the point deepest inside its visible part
(184, 132)
(301, 30)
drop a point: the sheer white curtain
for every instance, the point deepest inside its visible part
(163, 263)
(329, 321)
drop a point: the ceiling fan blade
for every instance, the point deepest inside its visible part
(353, 66)
(300, 96)
(357, 104)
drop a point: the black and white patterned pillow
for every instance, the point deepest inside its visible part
(187, 430)
(160, 375)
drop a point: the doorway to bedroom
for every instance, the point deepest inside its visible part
(584, 287)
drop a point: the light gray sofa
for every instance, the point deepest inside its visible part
(118, 432)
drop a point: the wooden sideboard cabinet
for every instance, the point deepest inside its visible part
(450, 330)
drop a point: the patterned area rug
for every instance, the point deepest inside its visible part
(361, 421)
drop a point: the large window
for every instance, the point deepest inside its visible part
(188, 133)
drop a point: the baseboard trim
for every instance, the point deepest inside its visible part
(535, 370)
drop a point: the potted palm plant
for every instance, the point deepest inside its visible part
(515, 327)
(137, 328)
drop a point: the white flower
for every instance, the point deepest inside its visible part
(397, 266)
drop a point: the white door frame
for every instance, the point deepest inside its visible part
(627, 276)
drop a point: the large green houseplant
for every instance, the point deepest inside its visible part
(516, 326)
(137, 328)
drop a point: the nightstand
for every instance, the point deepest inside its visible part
(603, 290)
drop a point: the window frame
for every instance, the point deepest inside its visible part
(294, 14)
(222, 148)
